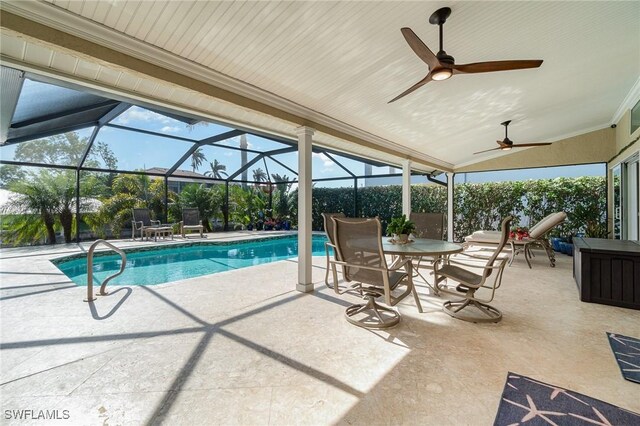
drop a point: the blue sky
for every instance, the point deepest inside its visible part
(135, 151)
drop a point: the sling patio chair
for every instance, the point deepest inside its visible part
(428, 225)
(538, 237)
(329, 244)
(191, 221)
(358, 246)
(431, 226)
(470, 282)
(141, 222)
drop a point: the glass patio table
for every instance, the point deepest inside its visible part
(422, 247)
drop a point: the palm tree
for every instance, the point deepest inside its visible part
(282, 185)
(217, 170)
(37, 197)
(259, 175)
(197, 158)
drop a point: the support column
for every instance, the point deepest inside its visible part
(305, 144)
(406, 187)
(450, 176)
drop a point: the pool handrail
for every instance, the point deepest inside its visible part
(90, 297)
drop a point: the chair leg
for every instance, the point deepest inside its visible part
(550, 253)
(377, 316)
(455, 309)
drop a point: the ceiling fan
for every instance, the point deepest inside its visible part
(442, 66)
(506, 144)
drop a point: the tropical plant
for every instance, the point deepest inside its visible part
(197, 158)
(259, 175)
(217, 170)
(244, 205)
(34, 197)
(283, 202)
(208, 201)
(401, 226)
(130, 191)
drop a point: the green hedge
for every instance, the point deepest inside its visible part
(478, 205)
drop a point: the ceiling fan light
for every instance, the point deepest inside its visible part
(441, 74)
(506, 148)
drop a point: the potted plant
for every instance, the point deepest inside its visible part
(400, 228)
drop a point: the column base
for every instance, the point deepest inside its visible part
(304, 288)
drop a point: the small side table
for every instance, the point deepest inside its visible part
(163, 230)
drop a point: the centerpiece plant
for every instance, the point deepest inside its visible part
(401, 227)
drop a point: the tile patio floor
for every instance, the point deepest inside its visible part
(243, 347)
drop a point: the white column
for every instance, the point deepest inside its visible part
(406, 187)
(450, 206)
(305, 279)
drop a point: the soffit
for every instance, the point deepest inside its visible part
(347, 59)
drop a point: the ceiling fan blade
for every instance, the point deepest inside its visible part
(495, 66)
(420, 48)
(412, 88)
(487, 150)
(524, 145)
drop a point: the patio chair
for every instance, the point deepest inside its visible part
(431, 226)
(537, 238)
(428, 225)
(471, 282)
(191, 221)
(141, 221)
(328, 229)
(358, 246)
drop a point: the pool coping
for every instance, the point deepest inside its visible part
(242, 241)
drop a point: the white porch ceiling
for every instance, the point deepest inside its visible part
(347, 59)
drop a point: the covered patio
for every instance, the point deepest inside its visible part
(215, 82)
(246, 349)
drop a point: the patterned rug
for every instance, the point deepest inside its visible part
(530, 402)
(627, 352)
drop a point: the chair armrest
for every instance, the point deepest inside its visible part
(402, 263)
(372, 268)
(481, 257)
(135, 223)
(157, 222)
(472, 265)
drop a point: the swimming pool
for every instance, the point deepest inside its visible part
(177, 262)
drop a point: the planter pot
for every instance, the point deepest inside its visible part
(569, 249)
(563, 247)
(555, 242)
(402, 238)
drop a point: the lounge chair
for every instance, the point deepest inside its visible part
(359, 252)
(191, 221)
(537, 237)
(471, 282)
(141, 221)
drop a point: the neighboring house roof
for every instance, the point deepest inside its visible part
(179, 173)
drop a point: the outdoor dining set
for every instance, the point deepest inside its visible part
(379, 268)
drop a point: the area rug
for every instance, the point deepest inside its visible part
(528, 401)
(627, 352)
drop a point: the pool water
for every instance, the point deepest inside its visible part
(174, 263)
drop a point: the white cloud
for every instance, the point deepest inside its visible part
(170, 129)
(326, 161)
(139, 114)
